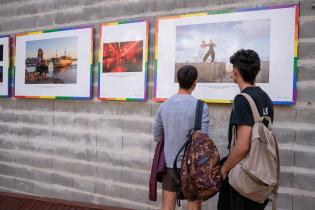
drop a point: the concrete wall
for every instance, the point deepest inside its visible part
(100, 152)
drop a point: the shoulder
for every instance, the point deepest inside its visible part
(255, 92)
(240, 101)
(266, 95)
(167, 103)
(160, 108)
(205, 106)
(260, 97)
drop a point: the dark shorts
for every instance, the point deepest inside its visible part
(230, 199)
(169, 180)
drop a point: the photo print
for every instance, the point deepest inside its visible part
(119, 57)
(54, 64)
(51, 61)
(208, 40)
(123, 60)
(209, 46)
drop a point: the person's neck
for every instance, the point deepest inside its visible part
(242, 85)
(184, 91)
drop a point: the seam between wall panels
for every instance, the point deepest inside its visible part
(306, 40)
(74, 190)
(100, 148)
(70, 175)
(304, 62)
(304, 19)
(74, 161)
(296, 191)
(76, 130)
(92, 116)
(294, 126)
(297, 147)
(53, 141)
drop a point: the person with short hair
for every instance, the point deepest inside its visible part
(173, 120)
(246, 66)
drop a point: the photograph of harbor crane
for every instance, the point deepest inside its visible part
(51, 61)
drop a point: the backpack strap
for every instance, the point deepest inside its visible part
(253, 107)
(255, 114)
(197, 126)
(198, 117)
(258, 118)
(177, 170)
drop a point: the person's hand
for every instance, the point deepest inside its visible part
(223, 173)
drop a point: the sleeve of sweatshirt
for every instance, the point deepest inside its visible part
(205, 119)
(158, 130)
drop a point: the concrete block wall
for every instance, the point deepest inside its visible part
(100, 152)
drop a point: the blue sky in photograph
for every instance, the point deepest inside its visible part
(228, 37)
(50, 46)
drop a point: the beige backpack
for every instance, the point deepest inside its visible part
(256, 177)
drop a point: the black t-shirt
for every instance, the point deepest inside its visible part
(242, 114)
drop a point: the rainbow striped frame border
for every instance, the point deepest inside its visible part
(145, 60)
(8, 70)
(296, 5)
(91, 63)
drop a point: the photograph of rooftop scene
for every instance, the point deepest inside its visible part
(51, 61)
(209, 47)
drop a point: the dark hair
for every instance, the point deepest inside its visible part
(247, 62)
(186, 76)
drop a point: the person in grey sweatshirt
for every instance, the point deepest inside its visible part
(174, 119)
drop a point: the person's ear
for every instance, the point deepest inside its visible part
(236, 72)
(195, 83)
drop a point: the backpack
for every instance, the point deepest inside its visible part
(199, 176)
(256, 177)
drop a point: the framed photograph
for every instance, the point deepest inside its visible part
(207, 40)
(4, 66)
(123, 60)
(54, 64)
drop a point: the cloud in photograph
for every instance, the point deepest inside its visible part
(227, 36)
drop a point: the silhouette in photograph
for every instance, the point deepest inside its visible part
(51, 61)
(209, 46)
(119, 57)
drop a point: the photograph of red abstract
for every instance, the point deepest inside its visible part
(123, 56)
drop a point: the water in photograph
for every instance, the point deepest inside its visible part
(67, 74)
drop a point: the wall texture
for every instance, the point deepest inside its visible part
(100, 152)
